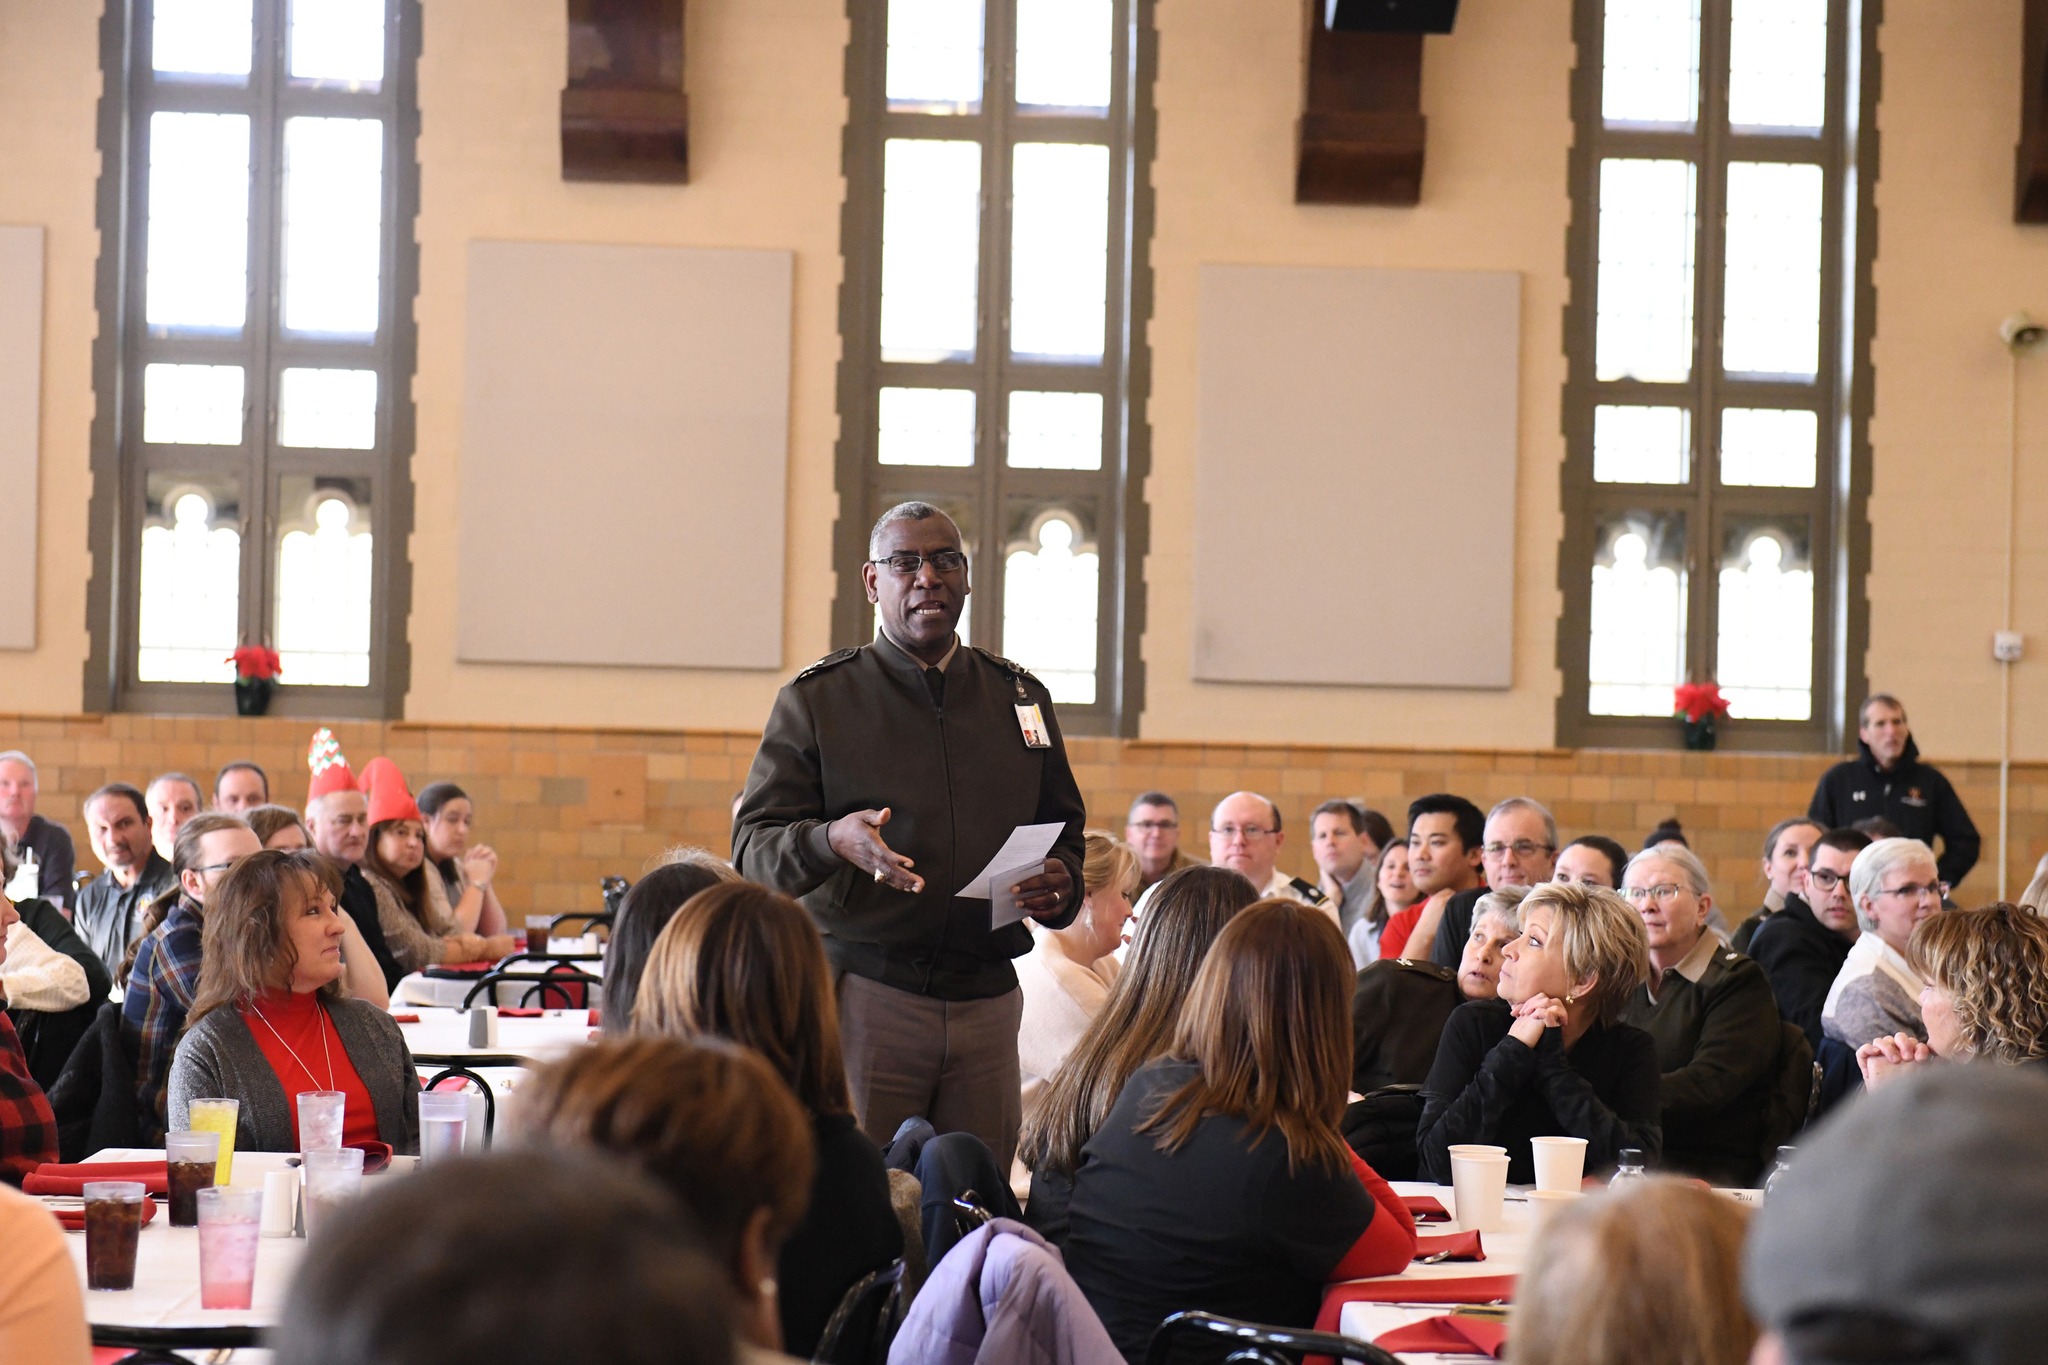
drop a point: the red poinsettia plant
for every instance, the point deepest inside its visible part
(1696, 701)
(256, 661)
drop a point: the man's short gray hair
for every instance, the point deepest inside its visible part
(1681, 857)
(1878, 699)
(1873, 865)
(903, 511)
(1504, 905)
(1534, 806)
(17, 756)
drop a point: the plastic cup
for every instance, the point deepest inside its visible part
(1544, 1204)
(1560, 1162)
(189, 1162)
(320, 1120)
(1479, 1186)
(230, 1223)
(444, 1122)
(217, 1116)
(538, 929)
(113, 1222)
(332, 1180)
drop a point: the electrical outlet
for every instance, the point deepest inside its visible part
(2007, 646)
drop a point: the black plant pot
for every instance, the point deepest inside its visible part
(1699, 734)
(252, 695)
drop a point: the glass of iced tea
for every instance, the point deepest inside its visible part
(113, 1223)
(189, 1161)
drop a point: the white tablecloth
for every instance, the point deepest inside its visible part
(444, 1033)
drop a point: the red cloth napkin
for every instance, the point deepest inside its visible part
(1412, 1289)
(109, 1355)
(1426, 1208)
(515, 1012)
(1462, 1246)
(405, 1018)
(376, 1155)
(74, 1219)
(1449, 1335)
(54, 1178)
(596, 1020)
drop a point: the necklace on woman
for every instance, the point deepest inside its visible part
(320, 1023)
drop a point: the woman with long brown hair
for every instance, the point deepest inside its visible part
(1220, 1180)
(745, 964)
(1186, 912)
(412, 906)
(270, 1020)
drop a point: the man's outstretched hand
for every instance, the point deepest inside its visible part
(857, 837)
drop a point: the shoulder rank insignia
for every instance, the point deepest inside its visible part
(1017, 673)
(1308, 891)
(832, 660)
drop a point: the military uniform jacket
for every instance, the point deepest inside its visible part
(860, 730)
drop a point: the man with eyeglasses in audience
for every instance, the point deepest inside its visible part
(1887, 779)
(1802, 947)
(888, 777)
(1894, 884)
(1152, 829)
(1519, 849)
(1245, 836)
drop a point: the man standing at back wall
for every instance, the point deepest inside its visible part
(1887, 779)
(887, 777)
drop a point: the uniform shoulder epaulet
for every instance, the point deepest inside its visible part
(1426, 968)
(1014, 669)
(832, 660)
(1308, 891)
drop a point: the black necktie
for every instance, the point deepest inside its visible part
(935, 683)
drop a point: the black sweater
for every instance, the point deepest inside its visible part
(1488, 1087)
(849, 1229)
(1801, 957)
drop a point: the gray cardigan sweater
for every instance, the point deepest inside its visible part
(218, 1058)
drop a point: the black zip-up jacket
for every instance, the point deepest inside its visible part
(1801, 958)
(1913, 795)
(861, 730)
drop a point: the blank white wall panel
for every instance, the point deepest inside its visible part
(625, 456)
(21, 391)
(1355, 476)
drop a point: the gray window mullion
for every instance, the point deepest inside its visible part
(1703, 537)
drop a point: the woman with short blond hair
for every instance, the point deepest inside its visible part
(1220, 1180)
(1068, 972)
(1551, 1056)
(1652, 1271)
(744, 964)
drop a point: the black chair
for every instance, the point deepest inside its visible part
(969, 1213)
(94, 1098)
(866, 1320)
(1247, 1343)
(557, 981)
(490, 1100)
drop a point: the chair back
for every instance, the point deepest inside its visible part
(865, 1322)
(1214, 1337)
(1791, 1096)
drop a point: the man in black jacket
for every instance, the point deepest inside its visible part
(1889, 780)
(1801, 948)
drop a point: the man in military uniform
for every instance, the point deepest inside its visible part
(1245, 836)
(889, 776)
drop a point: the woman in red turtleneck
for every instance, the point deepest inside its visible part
(270, 1019)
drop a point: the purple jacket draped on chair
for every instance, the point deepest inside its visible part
(1002, 1297)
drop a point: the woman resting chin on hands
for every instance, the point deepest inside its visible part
(1986, 997)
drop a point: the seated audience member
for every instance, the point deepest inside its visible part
(1895, 886)
(1652, 1272)
(1518, 848)
(1345, 855)
(1068, 972)
(110, 906)
(1711, 1013)
(163, 977)
(366, 977)
(1667, 832)
(1393, 894)
(643, 914)
(28, 1130)
(1802, 947)
(1398, 1008)
(42, 1309)
(44, 842)
(715, 1126)
(1877, 827)
(241, 787)
(278, 827)
(1986, 995)
(1591, 860)
(51, 984)
(1444, 861)
(2035, 897)
(270, 1021)
(1788, 851)
(744, 964)
(337, 822)
(412, 908)
(516, 1258)
(1551, 1056)
(1186, 913)
(172, 799)
(1908, 1230)
(465, 869)
(1245, 836)
(1219, 1180)
(1152, 829)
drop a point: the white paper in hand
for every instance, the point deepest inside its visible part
(1003, 906)
(1026, 844)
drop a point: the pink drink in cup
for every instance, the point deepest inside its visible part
(230, 1223)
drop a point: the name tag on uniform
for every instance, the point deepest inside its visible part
(1032, 722)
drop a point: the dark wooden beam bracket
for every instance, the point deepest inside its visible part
(2030, 190)
(1362, 130)
(624, 114)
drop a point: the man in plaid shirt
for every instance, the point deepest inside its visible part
(28, 1130)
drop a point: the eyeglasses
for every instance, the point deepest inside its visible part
(214, 867)
(1913, 891)
(1663, 893)
(1155, 826)
(1521, 848)
(1825, 880)
(1245, 832)
(909, 562)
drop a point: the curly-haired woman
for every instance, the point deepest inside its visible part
(1986, 995)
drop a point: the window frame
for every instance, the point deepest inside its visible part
(121, 462)
(1840, 393)
(989, 489)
